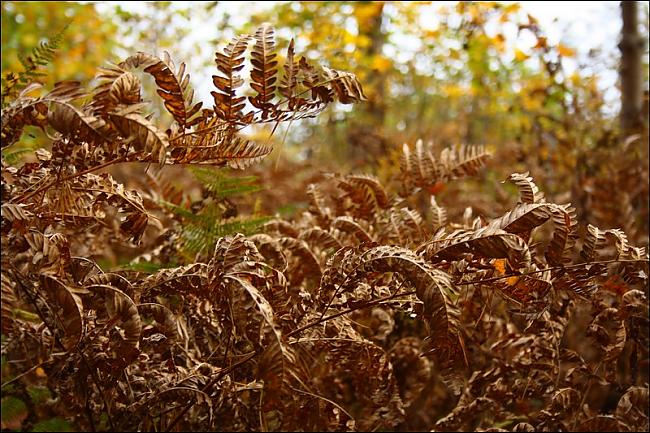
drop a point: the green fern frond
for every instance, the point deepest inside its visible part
(221, 185)
(201, 230)
(41, 56)
(201, 235)
(147, 267)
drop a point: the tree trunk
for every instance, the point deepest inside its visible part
(631, 73)
(371, 27)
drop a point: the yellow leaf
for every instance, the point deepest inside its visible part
(520, 56)
(511, 8)
(500, 266)
(40, 372)
(381, 63)
(512, 281)
(565, 51)
(433, 34)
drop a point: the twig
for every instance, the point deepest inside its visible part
(81, 173)
(552, 268)
(349, 310)
(207, 386)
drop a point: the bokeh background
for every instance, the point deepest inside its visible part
(538, 83)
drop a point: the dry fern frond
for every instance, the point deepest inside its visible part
(263, 75)
(487, 242)
(227, 105)
(528, 191)
(420, 169)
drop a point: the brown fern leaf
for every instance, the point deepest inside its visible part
(528, 292)
(263, 75)
(115, 86)
(46, 254)
(593, 243)
(608, 330)
(406, 226)
(321, 94)
(564, 234)
(145, 137)
(419, 168)
(278, 364)
(347, 224)
(346, 86)
(433, 287)
(23, 111)
(228, 254)
(66, 91)
(632, 409)
(271, 250)
(317, 205)
(621, 242)
(180, 395)
(173, 88)
(528, 191)
(487, 242)
(95, 276)
(219, 146)
(189, 279)
(364, 195)
(35, 111)
(66, 308)
(438, 214)
(289, 83)
(228, 106)
(523, 219)
(15, 217)
(580, 280)
(262, 306)
(464, 161)
(161, 188)
(117, 308)
(281, 227)
(103, 189)
(304, 262)
(319, 238)
(72, 122)
(9, 302)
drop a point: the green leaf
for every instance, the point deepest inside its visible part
(54, 424)
(39, 394)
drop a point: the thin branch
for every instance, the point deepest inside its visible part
(349, 310)
(81, 173)
(207, 387)
(552, 268)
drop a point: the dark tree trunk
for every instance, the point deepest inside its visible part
(631, 73)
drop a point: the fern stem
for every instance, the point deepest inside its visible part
(349, 310)
(81, 173)
(207, 387)
(552, 268)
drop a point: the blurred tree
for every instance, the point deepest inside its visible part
(456, 73)
(631, 72)
(84, 40)
(87, 43)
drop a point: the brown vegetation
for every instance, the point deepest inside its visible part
(369, 311)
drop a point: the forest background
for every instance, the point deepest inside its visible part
(487, 73)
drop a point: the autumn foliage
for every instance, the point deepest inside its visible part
(371, 310)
